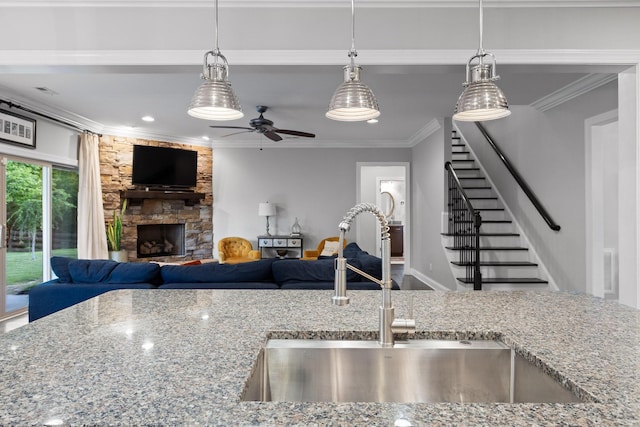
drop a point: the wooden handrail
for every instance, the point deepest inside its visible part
(521, 182)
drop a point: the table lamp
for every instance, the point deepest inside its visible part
(267, 209)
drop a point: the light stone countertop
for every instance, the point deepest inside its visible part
(181, 357)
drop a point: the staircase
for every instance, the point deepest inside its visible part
(505, 261)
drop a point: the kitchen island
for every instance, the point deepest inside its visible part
(182, 357)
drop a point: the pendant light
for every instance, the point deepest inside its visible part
(214, 99)
(353, 101)
(481, 99)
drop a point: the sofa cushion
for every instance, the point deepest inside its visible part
(60, 267)
(256, 271)
(91, 270)
(135, 272)
(322, 270)
(370, 264)
(106, 271)
(221, 285)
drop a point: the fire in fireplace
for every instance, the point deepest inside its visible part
(155, 240)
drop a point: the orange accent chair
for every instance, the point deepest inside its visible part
(312, 254)
(234, 250)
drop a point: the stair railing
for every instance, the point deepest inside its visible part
(521, 182)
(464, 226)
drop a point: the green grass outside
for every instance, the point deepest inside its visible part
(22, 269)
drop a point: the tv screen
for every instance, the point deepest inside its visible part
(164, 167)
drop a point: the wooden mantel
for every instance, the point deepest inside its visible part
(136, 196)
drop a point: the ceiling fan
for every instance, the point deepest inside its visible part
(265, 127)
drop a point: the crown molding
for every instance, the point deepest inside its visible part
(573, 90)
(142, 58)
(298, 4)
(422, 134)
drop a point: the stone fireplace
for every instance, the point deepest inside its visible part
(184, 221)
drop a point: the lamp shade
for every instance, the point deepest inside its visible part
(481, 99)
(353, 101)
(214, 99)
(266, 209)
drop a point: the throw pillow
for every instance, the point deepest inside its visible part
(329, 248)
(60, 267)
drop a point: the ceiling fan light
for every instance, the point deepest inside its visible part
(353, 101)
(215, 99)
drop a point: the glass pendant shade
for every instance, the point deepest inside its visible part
(353, 101)
(215, 99)
(481, 99)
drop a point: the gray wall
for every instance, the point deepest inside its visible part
(548, 150)
(316, 185)
(54, 143)
(427, 205)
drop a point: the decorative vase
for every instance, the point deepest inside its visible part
(296, 230)
(119, 256)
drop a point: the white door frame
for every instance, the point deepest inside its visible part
(594, 202)
(407, 180)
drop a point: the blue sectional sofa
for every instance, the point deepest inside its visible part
(79, 280)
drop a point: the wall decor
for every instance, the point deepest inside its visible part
(17, 129)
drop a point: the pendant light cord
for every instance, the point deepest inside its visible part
(480, 48)
(217, 49)
(353, 53)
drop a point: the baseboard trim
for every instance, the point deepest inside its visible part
(428, 281)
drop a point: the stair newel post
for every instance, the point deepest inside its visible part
(477, 274)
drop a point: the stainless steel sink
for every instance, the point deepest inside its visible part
(415, 371)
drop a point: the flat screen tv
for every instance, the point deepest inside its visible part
(162, 167)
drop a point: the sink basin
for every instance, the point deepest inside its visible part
(412, 371)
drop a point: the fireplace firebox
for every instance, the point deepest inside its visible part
(158, 240)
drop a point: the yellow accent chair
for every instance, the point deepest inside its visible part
(312, 254)
(234, 250)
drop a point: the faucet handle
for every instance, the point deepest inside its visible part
(405, 326)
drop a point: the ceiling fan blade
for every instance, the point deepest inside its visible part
(295, 133)
(272, 136)
(230, 127)
(236, 133)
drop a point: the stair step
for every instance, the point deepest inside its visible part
(489, 248)
(478, 209)
(468, 178)
(497, 264)
(504, 280)
(477, 198)
(458, 170)
(491, 221)
(476, 187)
(457, 145)
(482, 234)
(461, 152)
(461, 160)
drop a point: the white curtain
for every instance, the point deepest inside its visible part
(92, 239)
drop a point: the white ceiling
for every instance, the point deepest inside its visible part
(109, 64)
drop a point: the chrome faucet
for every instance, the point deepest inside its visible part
(388, 323)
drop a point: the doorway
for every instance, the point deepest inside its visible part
(385, 184)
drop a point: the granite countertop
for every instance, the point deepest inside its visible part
(181, 357)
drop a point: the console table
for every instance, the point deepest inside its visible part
(269, 244)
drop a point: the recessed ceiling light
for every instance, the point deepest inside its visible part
(370, 121)
(148, 119)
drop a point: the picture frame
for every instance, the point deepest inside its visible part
(18, 130)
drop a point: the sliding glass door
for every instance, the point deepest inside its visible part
(37, 218)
